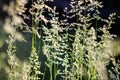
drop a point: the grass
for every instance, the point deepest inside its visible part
(66, 51)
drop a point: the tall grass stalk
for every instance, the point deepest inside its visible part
(34, 57)
(12, 73)
(51, 47)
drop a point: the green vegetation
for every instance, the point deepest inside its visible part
(68, 51)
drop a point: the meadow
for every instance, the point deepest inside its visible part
(44, 46)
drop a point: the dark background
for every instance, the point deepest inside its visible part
(111, 6)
